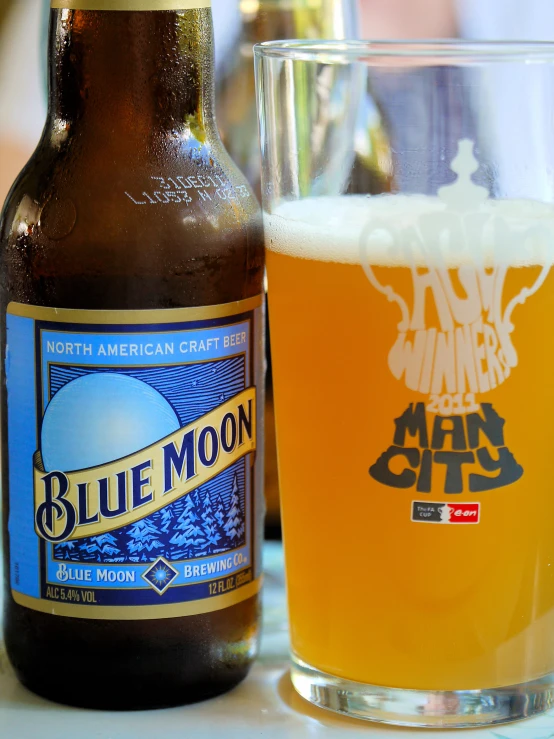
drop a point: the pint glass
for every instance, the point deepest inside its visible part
(412, 315)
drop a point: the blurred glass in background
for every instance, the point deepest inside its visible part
(239, 24)
(255, 21)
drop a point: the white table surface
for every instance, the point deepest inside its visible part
(264, 705)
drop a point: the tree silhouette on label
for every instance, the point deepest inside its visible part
(234, 526)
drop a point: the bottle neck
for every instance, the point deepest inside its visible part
(140, 72)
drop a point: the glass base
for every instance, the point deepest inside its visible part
(423, 708)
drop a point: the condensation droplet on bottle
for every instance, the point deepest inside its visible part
(58, 218)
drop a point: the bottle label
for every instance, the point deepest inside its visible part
(130, 4)
(134, 459)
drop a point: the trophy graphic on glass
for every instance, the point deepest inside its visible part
(457, 336)
(457, 268)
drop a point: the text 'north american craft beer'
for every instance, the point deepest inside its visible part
(412, 370)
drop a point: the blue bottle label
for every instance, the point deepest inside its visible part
(135, 459)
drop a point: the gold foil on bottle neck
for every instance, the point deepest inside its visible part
(140, 5)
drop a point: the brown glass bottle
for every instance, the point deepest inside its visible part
(130, 202)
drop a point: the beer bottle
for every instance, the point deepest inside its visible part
(132, 396)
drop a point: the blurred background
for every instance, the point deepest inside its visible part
(238, 25)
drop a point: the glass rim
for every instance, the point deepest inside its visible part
(458, 51)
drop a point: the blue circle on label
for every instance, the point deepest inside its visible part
(100, 418)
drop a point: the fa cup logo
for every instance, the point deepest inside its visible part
(455, 332)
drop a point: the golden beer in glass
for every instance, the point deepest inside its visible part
(412, 362)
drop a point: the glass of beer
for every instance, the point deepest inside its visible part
(411, 298)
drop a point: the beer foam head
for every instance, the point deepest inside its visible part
(404, 230)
